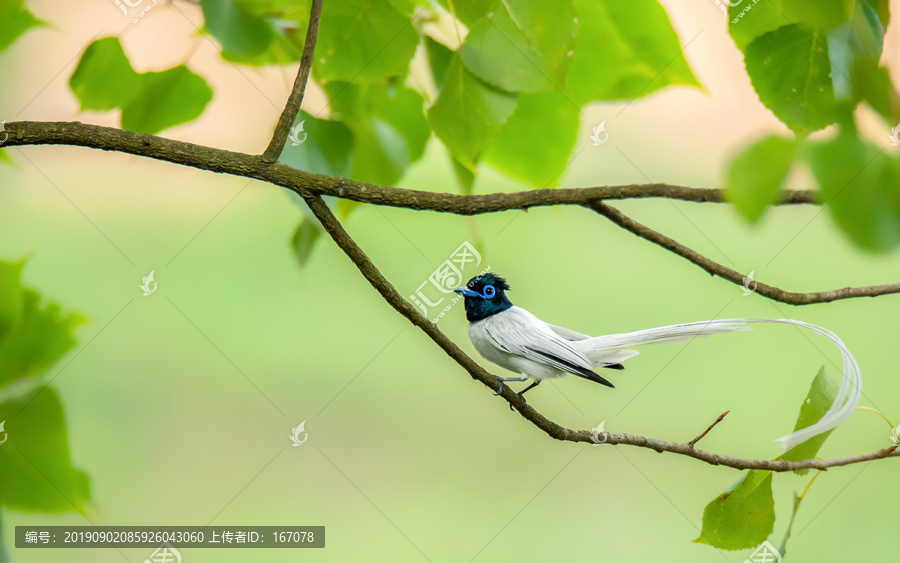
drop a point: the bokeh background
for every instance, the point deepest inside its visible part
(179, 404)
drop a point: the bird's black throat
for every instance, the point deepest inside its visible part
(478, 308)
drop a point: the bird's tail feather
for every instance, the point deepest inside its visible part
(610, 348)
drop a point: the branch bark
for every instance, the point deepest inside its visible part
(250, 166)
(390, 294)
(731, 275)
(276, 145)
(22, 133)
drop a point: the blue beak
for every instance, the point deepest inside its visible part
(466, 292)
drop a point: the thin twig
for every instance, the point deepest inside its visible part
(334, 228)
(693, 442)
(283, 127)
(731, 275)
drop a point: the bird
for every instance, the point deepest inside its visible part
(515, 339)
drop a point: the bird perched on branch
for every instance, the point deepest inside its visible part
(514, 339)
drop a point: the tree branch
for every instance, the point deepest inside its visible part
(21, 133)
(334, 228)
(731, 275)
(251, 166)
(276, 145)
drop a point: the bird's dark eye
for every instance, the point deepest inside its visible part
(488, 291)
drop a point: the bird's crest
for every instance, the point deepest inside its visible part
(489, 279)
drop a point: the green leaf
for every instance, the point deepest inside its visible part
(6, 159)
(14, 21)
(522, 45)
(388, 124)
(304, 240)
(791, 73)
(239, 31)
(282, 50)
(380, 153)
(439, 60)
(882, 9)
(32, 337)
(468, 11)
(806, 60)
(757, 173)
(742, 517)
(749, 21)
(363, 40)
(347, 206)
(821, 395)
(35, 464)
(326, 147)
(104, 78)
(292, 11)
(287, 21)
(464, 176)
(534, 145)
(11, 298)
(150, 102)
(858, 184)
(874, 84)
(166, 99)
(620, 56)
(854, 48)
(403, 109)
(468, 114)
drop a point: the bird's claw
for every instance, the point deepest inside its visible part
(500, 389)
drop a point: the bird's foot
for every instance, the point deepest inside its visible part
(500, 389)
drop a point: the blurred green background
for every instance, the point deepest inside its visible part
(169, 397)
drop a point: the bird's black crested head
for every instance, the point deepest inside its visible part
(485, 296)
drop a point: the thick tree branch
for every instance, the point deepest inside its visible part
(276, 145)
(731, 275)
(22, 133)
(334, 228)
(251, 166)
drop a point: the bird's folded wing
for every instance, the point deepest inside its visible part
(518, 332)
(568, 334)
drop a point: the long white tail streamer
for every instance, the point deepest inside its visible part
(844, 404)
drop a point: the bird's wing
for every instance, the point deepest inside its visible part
(518, 332)
(567, 334)
(597, 355)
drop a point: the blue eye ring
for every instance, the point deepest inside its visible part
(488, 292)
